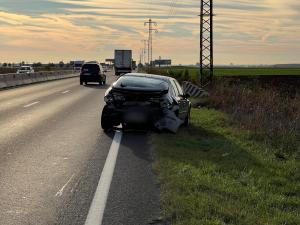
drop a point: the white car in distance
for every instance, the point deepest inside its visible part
(25, 69)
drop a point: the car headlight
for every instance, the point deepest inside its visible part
(108, 98)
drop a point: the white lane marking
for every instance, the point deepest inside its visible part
(31, 104)
(65, 92)
(60, 192)
(97, 208)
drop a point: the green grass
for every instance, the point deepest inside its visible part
(256, 72)
(194, 72)
(214, 174)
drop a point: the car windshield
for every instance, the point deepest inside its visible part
(91, 68)
(25, 68)
(142, 82)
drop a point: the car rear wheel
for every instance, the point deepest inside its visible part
(186, 122)
(106, 120)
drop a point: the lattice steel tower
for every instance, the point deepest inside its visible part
(150, 41)
(206, 42)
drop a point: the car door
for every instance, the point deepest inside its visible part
(180, 100)
(184, 102)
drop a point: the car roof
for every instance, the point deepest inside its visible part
(91, 63)
(154, 76)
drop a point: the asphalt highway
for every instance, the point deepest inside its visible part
(52, 155)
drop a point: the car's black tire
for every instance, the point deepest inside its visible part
(186, 122)
(86, 83)
(106, 120)
(81, 83)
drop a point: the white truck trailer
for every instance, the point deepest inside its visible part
(123, 62)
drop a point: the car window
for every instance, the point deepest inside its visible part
(91, 68)
(175, 88)
(180, 91)
(175, 91)
(141, 82)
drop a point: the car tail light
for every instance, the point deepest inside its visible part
(165, 104)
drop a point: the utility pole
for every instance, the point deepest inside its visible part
(206, 42)
(141, 55)
(150, 40)
(144, 50)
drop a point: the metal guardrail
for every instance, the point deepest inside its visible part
(15, 79)
(194, 90)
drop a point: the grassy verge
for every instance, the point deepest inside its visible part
(213, 173)
(192, 74)
(236, 71)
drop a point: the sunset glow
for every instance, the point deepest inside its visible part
(246, 32)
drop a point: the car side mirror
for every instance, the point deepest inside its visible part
(186, 96)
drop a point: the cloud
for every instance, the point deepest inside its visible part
(246, 31)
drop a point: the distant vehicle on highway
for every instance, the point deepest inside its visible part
(78, 65)
(25, 69)
(136, 99)
(123, 62)
(92, 72)
(134, 66)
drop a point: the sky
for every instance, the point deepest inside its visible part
(246, 31)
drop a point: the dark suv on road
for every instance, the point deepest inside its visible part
(92, 72)
(136, 98)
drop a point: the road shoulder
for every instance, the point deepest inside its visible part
(134, 193)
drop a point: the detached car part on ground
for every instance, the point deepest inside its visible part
(144, 99)
(92, 72)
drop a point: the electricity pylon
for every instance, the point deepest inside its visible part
(144, 50)
(150, 40)
(206, 42)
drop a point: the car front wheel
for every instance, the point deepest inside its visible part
(106, 120)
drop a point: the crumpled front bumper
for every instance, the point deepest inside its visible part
(169, 121)
(160, 119)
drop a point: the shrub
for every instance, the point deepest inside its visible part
(272, 113)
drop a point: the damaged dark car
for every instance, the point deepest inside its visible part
(154, 101)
